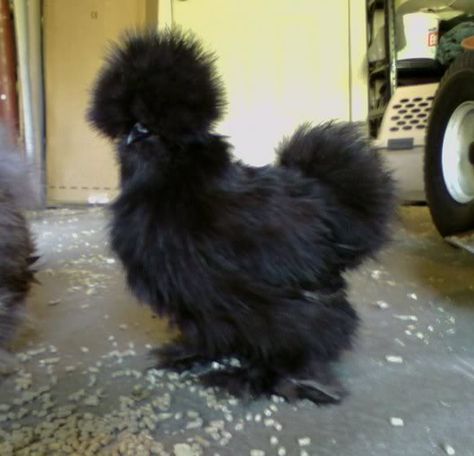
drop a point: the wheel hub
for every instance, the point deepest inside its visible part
(458, 153)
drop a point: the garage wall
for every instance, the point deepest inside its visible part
(359, 100)
(283, 63)
(80, 165)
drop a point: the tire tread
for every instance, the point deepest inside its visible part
(448, 215)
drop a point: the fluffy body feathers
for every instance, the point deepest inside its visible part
(247, 262)
(16, 246)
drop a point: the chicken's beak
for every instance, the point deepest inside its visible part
(137, 133)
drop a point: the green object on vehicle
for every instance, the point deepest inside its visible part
(449, 46)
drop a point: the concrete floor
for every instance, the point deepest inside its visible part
(82, 386)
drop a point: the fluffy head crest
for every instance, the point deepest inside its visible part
(164, 80)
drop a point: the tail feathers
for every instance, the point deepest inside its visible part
(339, 157)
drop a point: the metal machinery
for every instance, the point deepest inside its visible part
(421, 117)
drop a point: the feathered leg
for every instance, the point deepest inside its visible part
(179, 357)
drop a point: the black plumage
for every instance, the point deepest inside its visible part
(247, 262)
(16, 245)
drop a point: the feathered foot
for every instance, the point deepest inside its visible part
(251, 381)
(179, 358)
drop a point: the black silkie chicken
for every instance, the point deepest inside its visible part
(247, 262)
(16, 245)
